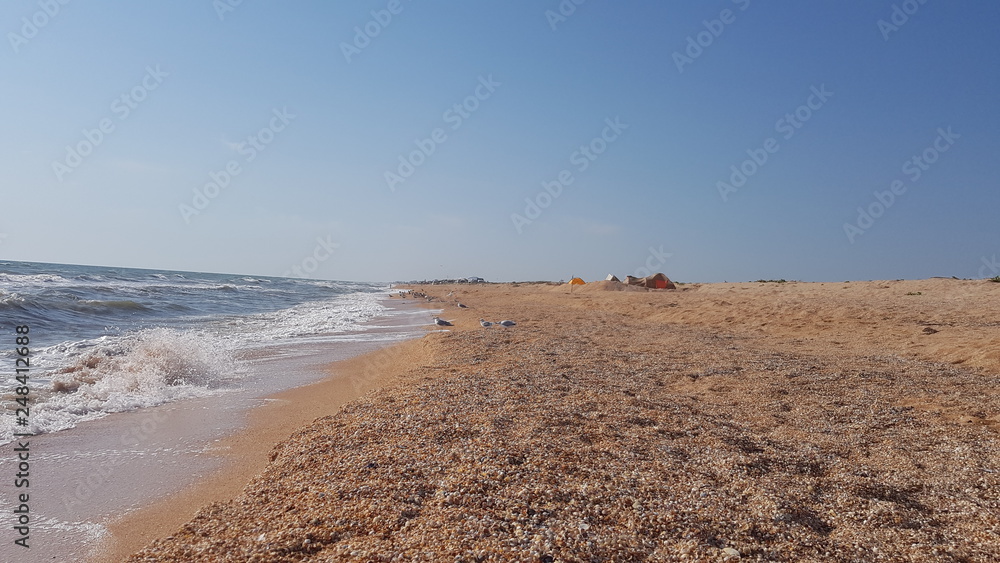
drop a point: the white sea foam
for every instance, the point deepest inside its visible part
(315, 320)
(80, 380)
(34, 279)
(84, 532)
(114, 374)
(10, 297)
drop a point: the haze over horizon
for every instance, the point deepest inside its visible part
(396, 140)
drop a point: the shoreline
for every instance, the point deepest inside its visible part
(246, 453)
(240, 455)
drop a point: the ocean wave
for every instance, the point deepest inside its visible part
(112, 305)
(122, 373)
(167, 287)
(68, 309)
(149, 359)
(108, 340)
(10, 298)
(33, 279)
(311, 319)
(108, 282)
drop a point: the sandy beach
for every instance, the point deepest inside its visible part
(229, 458)
(754, 421)
(244, 454)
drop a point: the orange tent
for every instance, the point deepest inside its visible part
(658, 281)
(576, 281)
(655, 281)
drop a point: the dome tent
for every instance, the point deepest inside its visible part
(658, 281)
(655, 281)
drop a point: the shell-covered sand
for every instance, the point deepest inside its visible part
(756, 421)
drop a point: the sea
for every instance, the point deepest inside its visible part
(106, 340)
(137, 376)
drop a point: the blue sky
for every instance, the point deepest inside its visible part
(696, 90)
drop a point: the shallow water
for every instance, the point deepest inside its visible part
(106, 340)
(84, 477)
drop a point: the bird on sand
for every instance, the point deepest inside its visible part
(507, 323)
(460, 306)
(486, 324)
(442, 322)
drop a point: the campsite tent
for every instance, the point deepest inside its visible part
(612, 277)
(576, 281)
(655, 281)
(658, 281)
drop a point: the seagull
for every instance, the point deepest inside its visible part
(486, 324)
(460, 306)
(506, 323)
(442, 322)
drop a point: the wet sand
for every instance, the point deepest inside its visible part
(245, 454)
(769, 422)
(189, 452)
(247, 430)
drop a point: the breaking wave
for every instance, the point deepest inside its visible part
(142, 369)
(107, 340)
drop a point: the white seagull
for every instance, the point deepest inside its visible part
(486, 324)
(442, 322)
(506, 323)
(460, 306)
